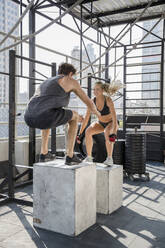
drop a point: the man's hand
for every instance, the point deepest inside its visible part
(81, 118)
(97, 113)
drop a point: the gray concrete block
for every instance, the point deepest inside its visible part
(64, 197)
(3, 150)
(109, 188)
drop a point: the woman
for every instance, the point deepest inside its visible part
(107, 122)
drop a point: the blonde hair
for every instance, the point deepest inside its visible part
(112, 88)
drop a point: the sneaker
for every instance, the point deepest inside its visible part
(88, 159)
(72, 161)
(47, 157)
(108, 162)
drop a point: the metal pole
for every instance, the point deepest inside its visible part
(106, 65)
(80, 29)
(21, 33)
(100, 57)
(53, 130)
(89, 91)
(89, 85)
(161, 94)
(12, 114)
(164, 28)
(131, 35)
(115, 65)
(31, 84)
(124, 93)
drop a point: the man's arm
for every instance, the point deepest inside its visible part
(85, 121)
(76, 88)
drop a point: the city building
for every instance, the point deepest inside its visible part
(9, 13)
(75, 103)
(152, 58)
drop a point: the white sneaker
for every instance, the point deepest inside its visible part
(88, 159)
(108, 162)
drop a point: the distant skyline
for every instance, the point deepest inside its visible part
(9, 13)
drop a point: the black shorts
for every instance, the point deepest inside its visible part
(49, 119)
(104, 124)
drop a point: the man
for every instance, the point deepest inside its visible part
(45, 109)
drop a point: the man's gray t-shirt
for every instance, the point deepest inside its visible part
(49, 95)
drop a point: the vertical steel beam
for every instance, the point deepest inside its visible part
(106, 65)
(100, 55)
(115, 64)
(89, 92)
(162, 93)
(130, 36)
(124, 93)
(31, 84)
(12, 114)
(80, 29)
(164, 28)
(21, 33)
(89, 85)
(53, 130)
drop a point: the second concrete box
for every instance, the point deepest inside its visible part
(109, 188)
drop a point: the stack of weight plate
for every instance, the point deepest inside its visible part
(118, 152)
(135, 153)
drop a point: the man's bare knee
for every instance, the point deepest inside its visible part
(75, 116)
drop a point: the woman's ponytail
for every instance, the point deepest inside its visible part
(112, 88)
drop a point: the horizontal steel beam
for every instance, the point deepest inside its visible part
(141, 99)
(127, 91)
(125, 21)
(33, 60)
(142, 107)
(141, 73)
(124, 10)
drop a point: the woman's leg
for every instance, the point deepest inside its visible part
(109, 145)
(94, 128)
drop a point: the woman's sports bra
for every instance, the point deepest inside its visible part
(105, 109)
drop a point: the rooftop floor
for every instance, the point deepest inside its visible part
(139, 223)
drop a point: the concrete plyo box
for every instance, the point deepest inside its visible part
(64, 197)
(3, 150)
(109, 190)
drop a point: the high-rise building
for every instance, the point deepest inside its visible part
(75, 102)
(9, 13)
(152, 71)
(76, 54)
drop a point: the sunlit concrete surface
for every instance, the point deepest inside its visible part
(140, 222)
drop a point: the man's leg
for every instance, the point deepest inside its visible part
(72, 133)
(44, 142)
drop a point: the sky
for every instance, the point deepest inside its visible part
(60, 39)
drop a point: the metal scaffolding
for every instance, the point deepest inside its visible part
(83, 12)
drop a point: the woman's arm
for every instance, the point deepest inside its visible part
(110, 104)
